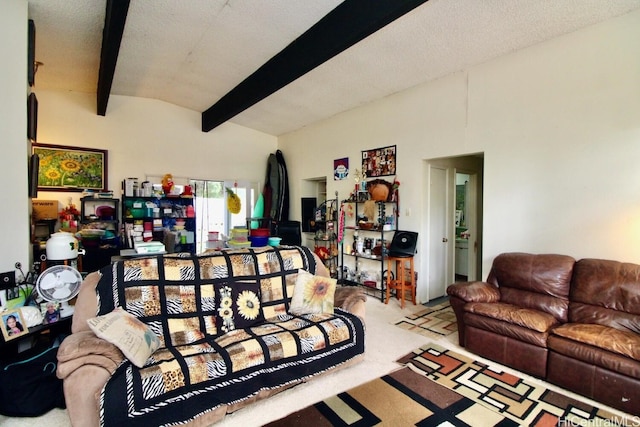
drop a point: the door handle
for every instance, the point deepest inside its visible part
(445, 240)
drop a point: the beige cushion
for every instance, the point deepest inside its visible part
(525, 317)
(312, 294)
(125, 331)
(626, 343)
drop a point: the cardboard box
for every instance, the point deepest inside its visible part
(44, 209)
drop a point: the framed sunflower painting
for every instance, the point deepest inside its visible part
(63, 168)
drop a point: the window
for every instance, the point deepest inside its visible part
(211, 207)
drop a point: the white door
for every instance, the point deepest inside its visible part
(438, 234)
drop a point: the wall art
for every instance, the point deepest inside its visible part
(63, 168)
(340, 169)
(379, 161)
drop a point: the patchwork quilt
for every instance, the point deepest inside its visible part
(225, 330)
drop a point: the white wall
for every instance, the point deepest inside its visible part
(142, 137)
(150, 137)
(14, 242)
(558, 123)
(559, 126)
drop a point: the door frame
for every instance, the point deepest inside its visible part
(433, 241)
(472, 165)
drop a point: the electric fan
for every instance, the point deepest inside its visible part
(59, 283)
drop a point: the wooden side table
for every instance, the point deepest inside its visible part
(405, 278)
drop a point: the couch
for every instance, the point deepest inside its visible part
(573, 323)
(203, 335)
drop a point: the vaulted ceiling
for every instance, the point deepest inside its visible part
(279, 65)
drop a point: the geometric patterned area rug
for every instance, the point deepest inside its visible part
(517, 399)
(401, 398)
(439, 387)
(432, 322)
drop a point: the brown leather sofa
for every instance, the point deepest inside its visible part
(574, 324)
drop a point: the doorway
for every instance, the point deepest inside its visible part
(453, 222)
(314, 194)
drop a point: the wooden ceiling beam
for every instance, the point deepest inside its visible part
(347, 24)
(114, 21)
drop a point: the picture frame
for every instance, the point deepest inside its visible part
(50, 312)
(64, 168)
(13, 293)
(340, 169)
(379, 161)
(13, 325)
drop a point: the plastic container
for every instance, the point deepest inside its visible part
(259, 232)
(238, 245)
(62, 246)
(239, 234)
(258, 241)
(274, 241)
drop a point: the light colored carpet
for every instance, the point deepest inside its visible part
(434, 321)
(384, 344)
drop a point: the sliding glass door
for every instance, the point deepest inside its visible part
(211, 207)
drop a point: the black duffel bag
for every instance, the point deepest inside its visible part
(28, 384)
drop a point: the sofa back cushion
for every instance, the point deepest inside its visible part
(607, 293)
(536, 281)
(179, 296)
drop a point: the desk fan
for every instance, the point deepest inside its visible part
(59, 283)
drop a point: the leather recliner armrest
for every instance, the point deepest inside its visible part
(474, 292)
(464, 292)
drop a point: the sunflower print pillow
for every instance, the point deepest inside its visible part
(312, 294)
(238, 306)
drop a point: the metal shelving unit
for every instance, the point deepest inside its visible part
(375, 252)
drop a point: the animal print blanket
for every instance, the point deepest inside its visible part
(213, 353)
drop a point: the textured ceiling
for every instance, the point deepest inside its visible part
(192, 52)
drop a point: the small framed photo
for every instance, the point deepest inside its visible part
(50, 311)
(13, 325)
(13, 293)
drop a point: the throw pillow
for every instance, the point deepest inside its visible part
(238, 306)
(136, 341)
(312, 294)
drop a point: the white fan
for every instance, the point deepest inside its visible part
(59, 283)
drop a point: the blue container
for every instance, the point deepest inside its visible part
(258, 241)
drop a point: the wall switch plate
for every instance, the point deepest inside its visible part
(7, 280)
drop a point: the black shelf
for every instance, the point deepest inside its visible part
(99, 254)
(378, 230)
(365, 256)
(326, 238)
(42, 332)
(169, 210)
